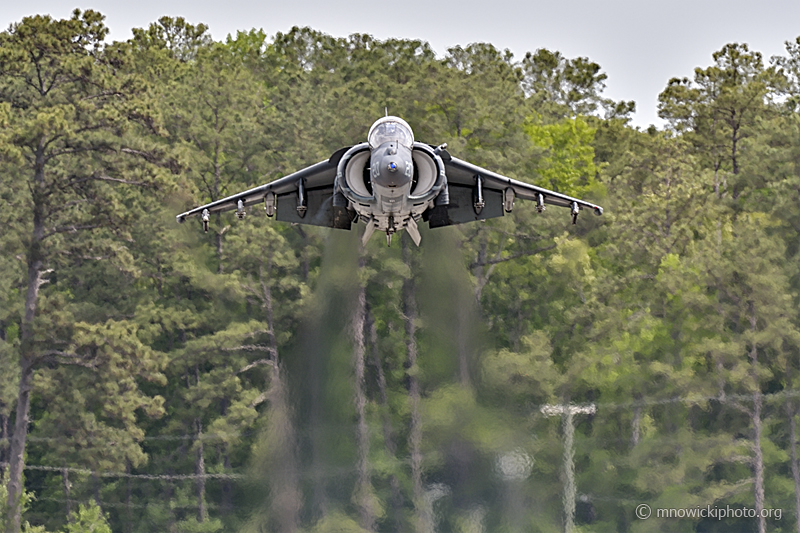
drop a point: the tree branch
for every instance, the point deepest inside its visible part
(70, 229)
(511, 257)
(108, 178)
(260, 399)
(251, 348)
(268, 362)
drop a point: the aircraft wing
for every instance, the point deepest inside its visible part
(463, 173)
(492, 196)
(304, 196)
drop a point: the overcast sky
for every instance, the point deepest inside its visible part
(640, 44)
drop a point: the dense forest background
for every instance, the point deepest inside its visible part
(269, 377)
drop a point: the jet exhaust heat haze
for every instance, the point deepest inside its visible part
(390, 183)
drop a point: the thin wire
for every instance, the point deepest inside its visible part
(192, 437)
(602, 406)
(785, 394)
(103, 504)
(154, 477)
(607, 406)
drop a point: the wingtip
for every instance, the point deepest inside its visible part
(598, 210)
(180, 219)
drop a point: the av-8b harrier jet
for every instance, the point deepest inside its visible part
(390, 183)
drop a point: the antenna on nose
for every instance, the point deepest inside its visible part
(386, 110)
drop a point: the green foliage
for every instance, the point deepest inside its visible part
(567, 163)
(337, 523)
(192, 525)
(88, 519)
(25, 501)
(175, 35)
(156, 350)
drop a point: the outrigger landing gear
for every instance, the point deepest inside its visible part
(413, 230)
(390, 231)
(368, 231)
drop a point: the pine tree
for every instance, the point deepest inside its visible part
(76, 132)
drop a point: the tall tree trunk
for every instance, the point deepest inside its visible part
(67, 485)
(363, 496)
(304, 254)
(16, 461)
(220, 232)
(128, 500)
(222, 453)
(319, 494)
(415, 433)
(27, 348)
(227, 486)
(792, 411)
(478, 271)
(286, 496)
(734, 142)
(388, 431)
(96, 486)
(717, 160)
(569, 470)
(462, 341)
(3, 449)
(200, 460)
(758, 462)
(169, 495)
(200, 471)
(217, 186)
(636, 424)
(758, 458)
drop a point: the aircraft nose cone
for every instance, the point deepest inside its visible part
(392, 166)
(393, 172)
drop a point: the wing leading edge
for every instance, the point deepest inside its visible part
(463, 173)
(477, 194)
(474, 194)
(309, 189)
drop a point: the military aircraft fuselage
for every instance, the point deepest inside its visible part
(390, 183)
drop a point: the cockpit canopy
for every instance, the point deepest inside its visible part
(389, 129)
